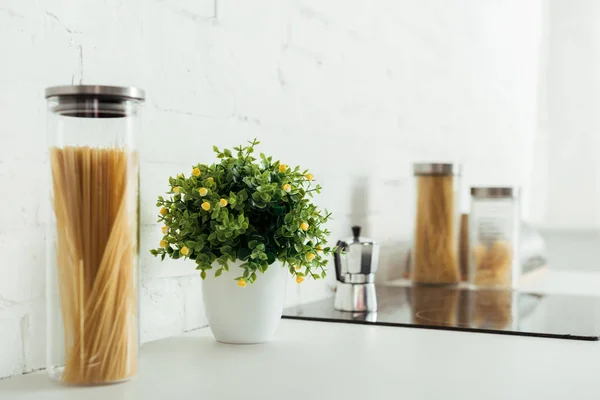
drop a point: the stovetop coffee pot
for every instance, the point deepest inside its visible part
(356, 261)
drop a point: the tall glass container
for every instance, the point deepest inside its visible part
(434, 257)
(494, 237)
(92, 239)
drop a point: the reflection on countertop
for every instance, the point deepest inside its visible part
(461, 308)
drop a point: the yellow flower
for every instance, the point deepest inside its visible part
(282, 168)
(163, 211)
(304, 226)
(287, 187)
(176, 189)
(196, 172)
(211, 180)
(299, 279)
(185, 251)
(309, 177)
(165, 230)
(319, 248)
(310, 257)
(203, 191)
(164, 244)
(242, 282)
(180, 175)
(223, 203)
(206, 206)
(298, 268)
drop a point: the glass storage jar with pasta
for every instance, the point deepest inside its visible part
(92, 242)
(494, 237)
(434, 257)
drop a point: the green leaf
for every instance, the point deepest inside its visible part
(252, 244)
(218, 272)
(226, 250)
(263, 266)
(265, 197)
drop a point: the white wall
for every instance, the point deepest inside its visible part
(355, 90)
(566, 184)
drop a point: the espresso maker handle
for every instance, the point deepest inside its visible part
(337, 258)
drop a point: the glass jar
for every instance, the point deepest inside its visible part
(434, 257)
(493, 237)
(92, 238)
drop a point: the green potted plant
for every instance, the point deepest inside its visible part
(247, 223)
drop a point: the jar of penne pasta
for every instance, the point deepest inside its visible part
(494, 237)
(435, 258)
(92, 241)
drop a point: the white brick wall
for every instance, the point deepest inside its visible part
(354, 90)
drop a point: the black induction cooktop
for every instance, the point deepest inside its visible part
(463, 309)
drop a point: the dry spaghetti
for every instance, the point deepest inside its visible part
(96, 250)
(435, 247)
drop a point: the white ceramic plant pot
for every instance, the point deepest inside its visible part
(245, 315)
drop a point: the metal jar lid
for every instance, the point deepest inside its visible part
(94, 101)
(440, 169)
(487, 192)
(97, 91)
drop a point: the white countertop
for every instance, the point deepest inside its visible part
(314, 360)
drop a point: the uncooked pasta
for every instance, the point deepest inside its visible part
(96, 249)
(492, 264)
(435, 247)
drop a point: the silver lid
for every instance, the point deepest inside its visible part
(110, 92)
(483, 192)
(436, 169)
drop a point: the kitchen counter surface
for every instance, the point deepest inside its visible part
(313, 360)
